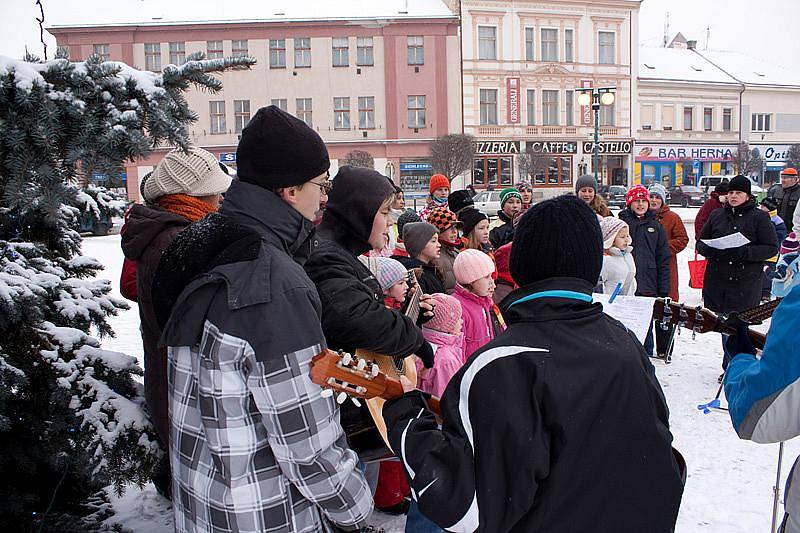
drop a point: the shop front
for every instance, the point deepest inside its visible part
(493, 164)
(775, 156)
(415, 175)
(679, 164)
(614, 160)
(549, 163)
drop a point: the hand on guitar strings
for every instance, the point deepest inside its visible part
(408, 386)
(428, 304)
(740, 343)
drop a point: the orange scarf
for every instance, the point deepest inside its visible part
(189, 207)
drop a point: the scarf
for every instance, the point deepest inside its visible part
(189, 207)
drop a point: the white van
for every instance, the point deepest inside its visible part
(707, 183)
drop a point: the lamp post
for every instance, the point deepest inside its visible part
(596, 96)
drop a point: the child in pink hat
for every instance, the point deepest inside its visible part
(443, 332)
(475, 287)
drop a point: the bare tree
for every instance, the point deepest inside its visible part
(359, 158)
(452, 154)
(533, 164)
(793, 157)
(747, 161)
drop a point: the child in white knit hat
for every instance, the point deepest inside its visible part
(618, 265)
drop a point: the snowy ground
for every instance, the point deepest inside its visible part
(730, 481)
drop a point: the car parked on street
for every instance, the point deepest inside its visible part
(488, 202)
(686, 196)
(614, 195)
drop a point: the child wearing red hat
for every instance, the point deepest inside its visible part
(439, 190)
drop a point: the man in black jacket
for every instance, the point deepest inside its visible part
(787, 196)
(559, 423)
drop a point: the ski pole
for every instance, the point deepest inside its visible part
(776, 490)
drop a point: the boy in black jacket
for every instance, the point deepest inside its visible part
(559, 423)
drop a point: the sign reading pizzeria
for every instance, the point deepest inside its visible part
(608, 147)
(496, 147)
(553, 147)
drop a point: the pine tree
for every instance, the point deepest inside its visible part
(71, 413)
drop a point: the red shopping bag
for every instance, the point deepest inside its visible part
(697, 271)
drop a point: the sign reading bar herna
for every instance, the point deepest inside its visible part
(496, 147)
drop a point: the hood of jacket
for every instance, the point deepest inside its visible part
(545, 307)
(441, 338)
(616, 252)
(629, 216)
(144, 224)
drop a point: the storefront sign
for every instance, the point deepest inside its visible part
(227, 157)
(496, 147)
(99, 177)
(512, 100)
(772, 153)
(608, 147)
(411, 167)
(586, 110)
(681, 152)
(553, 147)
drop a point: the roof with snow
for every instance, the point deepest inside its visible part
(89, 13)
(679, 64)
(750, 70)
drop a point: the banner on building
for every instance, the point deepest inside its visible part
(586, 110)
(608, 147)
(553, 147)
(496, 147)
(684, 152)
(512, 100)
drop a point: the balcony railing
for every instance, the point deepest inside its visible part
(608, 130)
(489, 130)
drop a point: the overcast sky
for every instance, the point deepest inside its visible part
(766, 29)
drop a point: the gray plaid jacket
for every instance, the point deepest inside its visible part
(254, 447)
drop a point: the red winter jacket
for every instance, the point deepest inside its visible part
(127, 281)
(700, 219)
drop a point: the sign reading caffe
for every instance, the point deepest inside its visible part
(608, 147)
(553, 147)
(496, 147)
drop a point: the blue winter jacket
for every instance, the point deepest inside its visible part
(764, 394)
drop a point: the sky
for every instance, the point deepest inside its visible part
(765, 29)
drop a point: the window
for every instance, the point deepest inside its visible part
(549, 44)
(553, 171)
(761, 122)
(341, 52)
(569, 41)
(568, 102)
(606, 52)
(531, 105)
(608, 115)
(492, 171)
(366, 112)
(241, 114)
(280, 103)
(214, 50)
(708, 118)
(364, 55)
(239, 48)
(667, 117)
(416, 50)
(416, 111)
(341, 112)
(217, 111)
(550, 108)
(687, 118)
(529, 40)
(487, 42)
(647, 112)
(152, 56)
(302, 52)
(304, 110)
(488, 106)
(277, 53)
(177, 53)
(102, 51)
(727, 119)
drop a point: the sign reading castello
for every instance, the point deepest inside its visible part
(608, 147)
(496, 147)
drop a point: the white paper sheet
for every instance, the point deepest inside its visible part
(635, 312)
(733, 240)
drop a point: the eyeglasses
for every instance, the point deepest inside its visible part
(324, 187)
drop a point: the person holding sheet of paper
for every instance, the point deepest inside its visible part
(733, 275)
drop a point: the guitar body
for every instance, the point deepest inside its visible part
(387, 367)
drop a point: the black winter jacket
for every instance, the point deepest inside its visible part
(787, 202)
(430, 281)
(504, 233)
(557, 425)
(650, 253)
(733, 277)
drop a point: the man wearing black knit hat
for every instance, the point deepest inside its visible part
(559, 423)
(255, 446)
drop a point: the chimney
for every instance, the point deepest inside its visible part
(691, 45)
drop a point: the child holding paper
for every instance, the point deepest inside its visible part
(619, 267)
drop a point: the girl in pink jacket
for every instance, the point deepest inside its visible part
(443, 332)
(473, 270)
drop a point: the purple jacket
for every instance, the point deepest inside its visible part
(476, 311)
(449, 358)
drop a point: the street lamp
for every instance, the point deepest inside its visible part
(596, 96)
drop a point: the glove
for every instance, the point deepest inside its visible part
(425, 353)
(740, 342)
(732, 254)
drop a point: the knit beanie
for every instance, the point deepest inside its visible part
(409, 215)
(610, 226)
(587, 180)
(721, 188)
(790, 244)
(460, 199)
(637, 192)
(508, 193)
(278, 150)
(142, 183)
(470, 217)
(560, 237)
(524, 185)
(437, 182)
(443, 218)
(770, 203)
(656, 189)
(390, 271)
(502, 258)
(416, 235)
(447, 313)
(471, 265)
(195, 172)
(740, 183)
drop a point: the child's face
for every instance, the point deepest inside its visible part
(398, 291)
(450, 234)
(512, 207)
(640, 207)
(441, 192)
(481, 232)
(432, 250)
(483, 286)
(623, 239)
